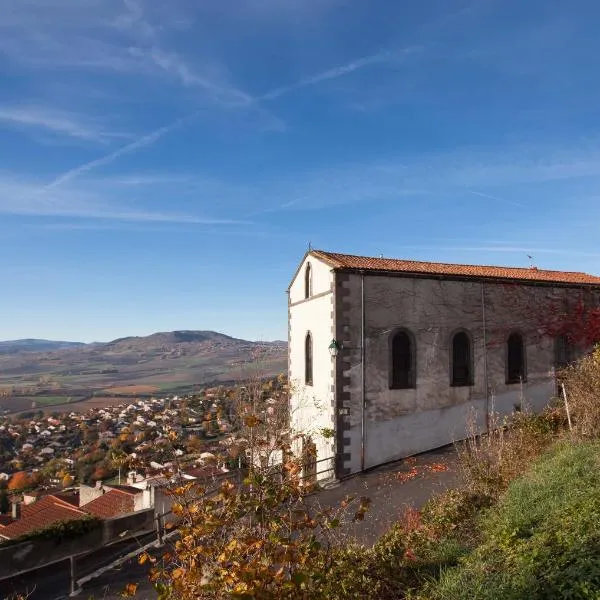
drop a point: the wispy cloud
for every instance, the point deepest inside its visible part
(496, 198)
(146, 140)
(57, 122)
(90, 201)
(334, 73)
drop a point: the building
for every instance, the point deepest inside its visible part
(37, 515)
(389, 358)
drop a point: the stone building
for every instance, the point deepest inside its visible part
(389, 358)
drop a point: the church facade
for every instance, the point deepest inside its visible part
(389, 358)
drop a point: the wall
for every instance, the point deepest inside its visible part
(311, 406)
(88, 493)
(399, 423)
(22, 557)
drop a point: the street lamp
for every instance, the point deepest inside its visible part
(334, 348)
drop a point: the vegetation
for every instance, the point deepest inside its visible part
(526, 524)
(60, 531)
(543, 538)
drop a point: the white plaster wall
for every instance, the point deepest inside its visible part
(311, 406)
(399, 423)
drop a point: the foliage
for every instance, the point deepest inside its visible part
(490, 462)
(4, 502)
(67, 481)
(20, 481)
(258, 537)
(582, 384)
(543, 539)
(61, 530)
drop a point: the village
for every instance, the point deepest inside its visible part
(112, 461)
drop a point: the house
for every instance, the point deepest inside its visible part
(389, 358)
(61, 506)
(114, 499)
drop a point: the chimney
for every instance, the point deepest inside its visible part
(98, 484)
(16, 510)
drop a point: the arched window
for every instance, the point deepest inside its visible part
(563, 352)
(462, 366)
(515, 359)
(308, 360)
(402, 374)
(308, 281)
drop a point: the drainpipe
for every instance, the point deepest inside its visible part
(485, 359)
(363, 432)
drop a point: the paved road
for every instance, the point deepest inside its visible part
(391, 488)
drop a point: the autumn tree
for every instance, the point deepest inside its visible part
(20, 481)
(256, 534)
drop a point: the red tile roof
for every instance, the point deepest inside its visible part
(41, 514)
(111, 504)
(5, 520)
(412, 267)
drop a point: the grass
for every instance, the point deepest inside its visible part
(51, 400)
(542, 540)
(131, 390)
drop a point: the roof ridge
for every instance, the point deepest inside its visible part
(63, 504)
(446, 264)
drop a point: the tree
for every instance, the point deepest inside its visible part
(20, 481)
(256, 534)
(118, 459)
(4, 502)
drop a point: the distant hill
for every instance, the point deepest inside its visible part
(35, 345)
(166, 361)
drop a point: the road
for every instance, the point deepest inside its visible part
(391, 488)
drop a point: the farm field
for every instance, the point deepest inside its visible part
(163, 363)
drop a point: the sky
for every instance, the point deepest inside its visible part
(165, 165)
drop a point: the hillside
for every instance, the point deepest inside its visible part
(35, 345)
(162, 362)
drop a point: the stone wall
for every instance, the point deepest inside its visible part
(401, 422)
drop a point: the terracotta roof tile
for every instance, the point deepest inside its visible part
(111, 504)
(127, 489)
(349, 261)
(41, 514)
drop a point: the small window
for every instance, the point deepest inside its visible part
(308, 281)
(563, 352)
(402, 362)
(462, 370)
(308, 360)
(515, 359)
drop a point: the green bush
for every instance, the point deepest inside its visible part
(543, 538)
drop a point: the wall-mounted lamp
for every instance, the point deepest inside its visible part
(334, 348)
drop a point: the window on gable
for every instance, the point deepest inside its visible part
(402, 361)
(462, 368)
(308, 360)
(515, 356)
(308, 281)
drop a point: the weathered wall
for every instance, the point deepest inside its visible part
(399, 423)
(311, 406)
(88, 493)
(22, 557)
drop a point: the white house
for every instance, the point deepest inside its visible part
(389, 358)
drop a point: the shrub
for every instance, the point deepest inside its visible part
(582, 383)
(491, 461)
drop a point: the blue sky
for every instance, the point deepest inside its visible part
(164, 165)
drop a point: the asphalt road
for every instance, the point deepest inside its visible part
(391, 488)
